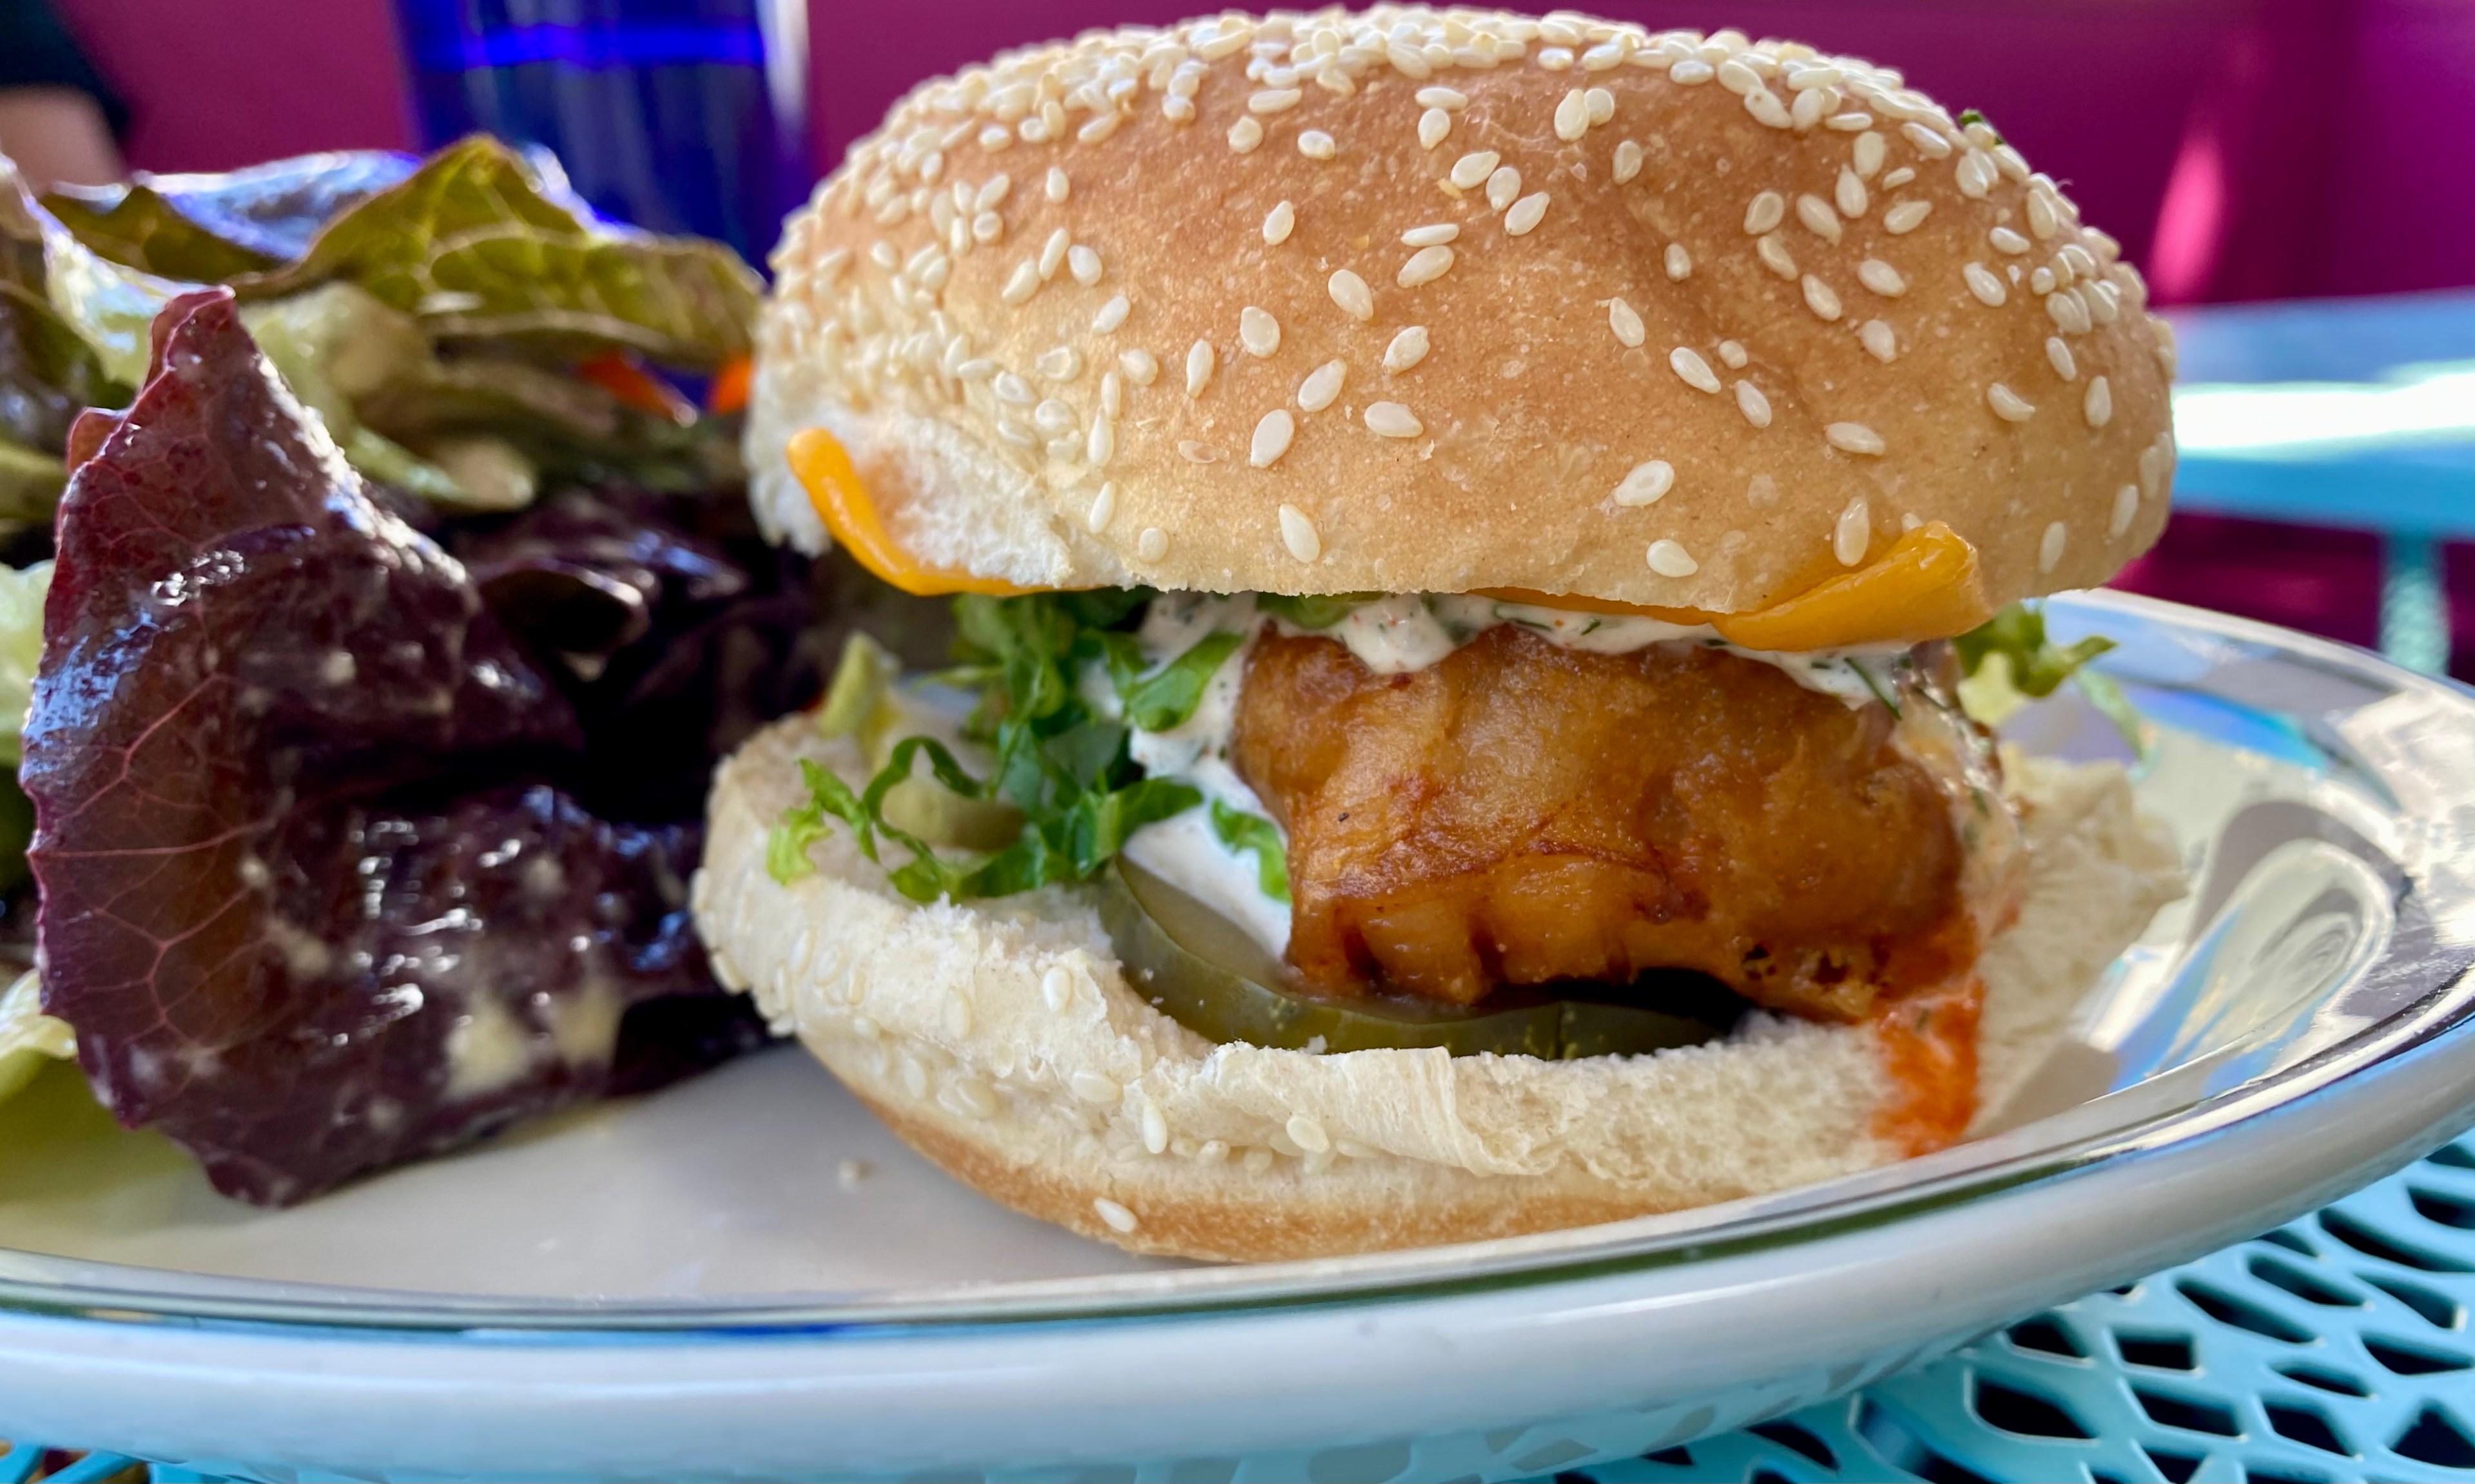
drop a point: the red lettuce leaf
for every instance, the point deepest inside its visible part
(304, 898)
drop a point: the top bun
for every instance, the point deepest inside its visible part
(1440, 300)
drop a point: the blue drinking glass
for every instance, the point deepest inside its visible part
(678, 116)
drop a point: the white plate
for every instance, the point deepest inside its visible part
(690, 1285)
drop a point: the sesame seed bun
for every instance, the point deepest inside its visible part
(1444, 300)
(1002, 1040)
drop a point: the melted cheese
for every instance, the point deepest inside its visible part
(842, 501)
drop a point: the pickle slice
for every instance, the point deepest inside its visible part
(1193, 976)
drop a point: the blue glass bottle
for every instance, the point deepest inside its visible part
(678, 116)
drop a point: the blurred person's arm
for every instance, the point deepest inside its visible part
(57, 114)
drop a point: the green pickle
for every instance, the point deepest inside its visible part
(1211, 977)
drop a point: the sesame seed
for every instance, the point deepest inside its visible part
(1899, 178)
(986, 228)
(1766, 109)
(1849, 123)
(1392, 420)
(1572, 116)
(1679, 262)
(1853, 531)
(1626, 324)
(1853, 438)
(2068, 312)
(1118, 1219)
(1600, 105)
(1153, 544)
(1733, 354)
(1821, 297)
(1818, 217)
(2126, 508)
(1434, 126)
(1425, 266)
(1879, 340)
(977, 369)
(2153, 460)
(1322, 385)
(1668, 559)
(2042, 281)
(969, 1097)
(1976, 174)
(2050, 549)
(1502, 187)
(1433, 235)
(1059, 363)
(1084, 263)
(1014, 389)
(1096, 1087)
(2007, 405)
(1755, 407)
(1905, 217)
(1199, 362)
(1775, 255)
(2041, 215)
(1258, 331)
(1274, 100)
(1279, 223)
(1470, 171)
(1272, 437)
(1987, 287)
(958, 1016)
(1737, 78)
(1104, 509)
(1194, 452)
(1052, 254)
(1849, 194)
(1407, 349)
(1350, 291)
(2104, 300)
(1100, 447)
(1212, 1152)
(1112, 315)
(1113, 394)
(1691, 72)
(1881, 278)
(1298, 533)
(993, 192)
(1692, 370)
(1315, 144)
(1645, 483)
(1141, 366)
(1056, 185)
(1525, 216)
(1308, 1134)
(1764, 212)
(2098, 404)
(1807, 110)
(884, 256)
(1929, 143)
(1246, 134)
(1628, 162)
(1869, 154)
(1442, 98)
(2005, 241)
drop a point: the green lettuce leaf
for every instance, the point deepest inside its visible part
(1243, 832)
(1056, 761)
(29, 1040)
(53, 364)
(2007, 661)
(1167, 696)
(476, 247)
(137, 227)
(1314, 611)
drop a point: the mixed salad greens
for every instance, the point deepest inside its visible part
(391, 633)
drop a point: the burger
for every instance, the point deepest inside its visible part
(1463, 534)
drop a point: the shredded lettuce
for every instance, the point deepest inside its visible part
(2008, 662)
(1054, 757)
(1315, 610)
(1244, 832)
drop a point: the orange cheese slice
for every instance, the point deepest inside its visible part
(1924, 586)
(823, 469)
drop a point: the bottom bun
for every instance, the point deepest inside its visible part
(1001, 1039)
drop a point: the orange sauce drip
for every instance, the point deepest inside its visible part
(728, 391)
(1929, 1050)
(625, 377)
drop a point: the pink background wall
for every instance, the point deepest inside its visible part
(2240, 148)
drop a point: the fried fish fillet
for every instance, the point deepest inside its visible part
(1520, 814)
